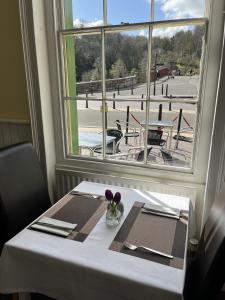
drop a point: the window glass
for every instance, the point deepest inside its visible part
(123, 122)
(182, 9)
(173, 79)
(171, 133)
(127, 11)
(176, 57)
(88, 85)
(126, 64)
(87, 13)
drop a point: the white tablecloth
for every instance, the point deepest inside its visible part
(67, 270)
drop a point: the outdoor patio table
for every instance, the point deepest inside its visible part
(92, 263)
(163, 124)
(92, 140)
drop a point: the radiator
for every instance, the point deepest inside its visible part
(67, 180)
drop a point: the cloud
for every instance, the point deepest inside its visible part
(143, 32)
(80, 23)
(182, 8)
(168, 32)
(77, 23)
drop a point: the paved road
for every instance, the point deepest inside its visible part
(180, 85)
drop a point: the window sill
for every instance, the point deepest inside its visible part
(164, 174)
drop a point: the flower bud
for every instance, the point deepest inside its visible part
(117, 197)
(108, 195)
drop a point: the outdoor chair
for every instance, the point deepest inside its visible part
(127, 130)
(155, 137)
(169, 158)
(183, 138)
(140, 156)
(112, 147)
(23, 190)
(206, 271)
(137, 153)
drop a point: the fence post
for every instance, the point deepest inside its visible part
(106, 110)
(170, 105)
(118, 89)
(142, 105)
(114, 104)
(127, 123)
(178, 128)
(167, 90)
(160, 113)
(86, 103)
(162, 88)
(132, 86)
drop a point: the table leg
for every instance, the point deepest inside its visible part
(170, 137)
(114, 147)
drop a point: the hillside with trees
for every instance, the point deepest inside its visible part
(127, 54)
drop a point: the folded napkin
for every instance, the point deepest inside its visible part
(86, 194)
(53, 226)
(162, 209)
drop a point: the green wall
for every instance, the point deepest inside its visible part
(13, 92)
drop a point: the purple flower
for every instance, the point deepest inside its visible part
(117, 197)
(108, 195)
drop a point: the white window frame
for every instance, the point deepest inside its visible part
(102, 31)
(209, 89)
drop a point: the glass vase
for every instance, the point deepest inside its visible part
(113, 216)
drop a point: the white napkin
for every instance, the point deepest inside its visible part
(162, 209)
(54, 226)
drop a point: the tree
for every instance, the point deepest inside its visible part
(118, 69)
(126, 53)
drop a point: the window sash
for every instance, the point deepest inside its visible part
(102, 31)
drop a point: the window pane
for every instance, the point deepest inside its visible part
(87, 13)
(123, 122)
(176, 56)
(88, 64)
(90, 128)
(126, 64)
(83, 116)
(88, 83)
(182, 9)
(167, 149)
(127, 11)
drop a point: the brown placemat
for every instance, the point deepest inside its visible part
(163, 234)
(81, 210)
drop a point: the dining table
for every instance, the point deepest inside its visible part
(93, 262)
(93, 140)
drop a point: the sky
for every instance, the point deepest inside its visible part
(90, 12)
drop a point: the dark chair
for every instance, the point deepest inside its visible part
(23, 191)
(140, 156)
(183, 138)
(129, 131)
(155, 137)
(169, 158)
(206, 275)
(112, 147)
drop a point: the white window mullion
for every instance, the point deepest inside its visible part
(199, 100)
(148, 80)
(104, 104)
